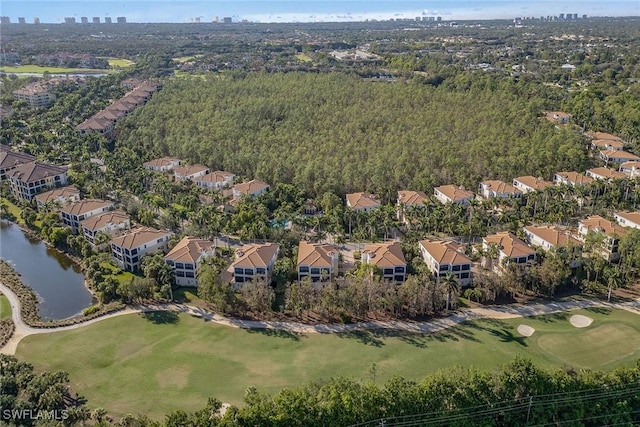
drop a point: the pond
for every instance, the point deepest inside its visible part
(56, 280)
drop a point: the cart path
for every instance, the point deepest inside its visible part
(421, 327)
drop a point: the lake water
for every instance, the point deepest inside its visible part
(56, 280)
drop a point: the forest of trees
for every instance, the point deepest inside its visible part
(337, 133)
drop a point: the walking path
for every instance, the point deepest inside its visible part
(501, 312)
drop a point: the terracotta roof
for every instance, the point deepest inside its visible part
(498, 186)
(250, 187)
(606, 173)
(532, 182)
(257, 255)
(630, 164)
(600, 224)
(605, 143)
(139, 236)
(56, 193)
(217, 176)
(9, 159)
(618, 154)
(95, 124)
(86, 205)
(412, 198)
(454, 193)
(575, 178)
(162, 161)
(556, 115)
(385, 254)
(362, 201)
(509, 244)
(554, 235)
(35, 171)
(190, 249)
(630, 216)
(445, 252)
(315, 254)
(189, 170)
(604, 135)
(109, 114)
(98, 222)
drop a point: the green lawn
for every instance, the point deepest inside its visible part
(53, 70)
(187, 58)
(304, 57)
(164, 361)
(5, 307)
(119, 62)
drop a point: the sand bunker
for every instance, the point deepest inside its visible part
(525, 330)
(580, 321)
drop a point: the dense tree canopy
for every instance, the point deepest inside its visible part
(339, 133)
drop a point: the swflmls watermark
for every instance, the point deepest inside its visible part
(32, 415)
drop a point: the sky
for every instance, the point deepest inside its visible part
(52, 11)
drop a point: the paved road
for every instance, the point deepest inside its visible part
(502, 312)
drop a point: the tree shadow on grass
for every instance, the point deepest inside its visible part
(280, 333)
(161, 317)
(552, 318)
(599, 310)
(507, 336)
(364, 337)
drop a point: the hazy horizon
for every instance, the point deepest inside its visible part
(179, 11)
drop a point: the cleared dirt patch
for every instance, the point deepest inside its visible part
(580, 321)
(525, 330)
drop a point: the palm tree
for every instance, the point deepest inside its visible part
(451, 283)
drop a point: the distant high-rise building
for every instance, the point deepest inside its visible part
(584, 16)
(561, 16)
(439, 18)
(5, 20)
(84, 20)
(107, 20)
(122, 20)
(69, 20)
(227, 20)
(36, 20)
(575, 16)
(96, 19)
(21, 21)
(215, 19)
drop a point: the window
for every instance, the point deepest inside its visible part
(239, 279)
(238, 270)
(126, 251)
(444, 267)
(521, 260)
(179, 265)
(466, 267)
(531, 257)
(455, 268)
(189, 274)
(304, 269)
(159, 241)
(387, 271)
(261, 270)
(315, 271)
(464, 275)
(135, 252)
(399, 269)
(180, 273)
(135, 259)
(248, 271)
(188, 266)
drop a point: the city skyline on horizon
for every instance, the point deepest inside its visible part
(184, 11)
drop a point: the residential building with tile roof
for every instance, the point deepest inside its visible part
(112, 223)
(442, 257)
(509, 248)
(252, 188)
(254, 262)
(163, 164)
(29, 179)
(215, 180)
(572, 178)
(362, 202)
(604, 173)
(607, 144)
(408, 199)
(11, 160)
(129, 249)
(495, 188)
(528, 183)
(618, 156)
(388, 258)
(453, 194)
(189, 172)
(631, 169)
(628, 219)
(60, 196)
(611, 231)
(73, 214)
(317, 261)
(186, 258)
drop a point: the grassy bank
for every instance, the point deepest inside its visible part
(158, 362)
